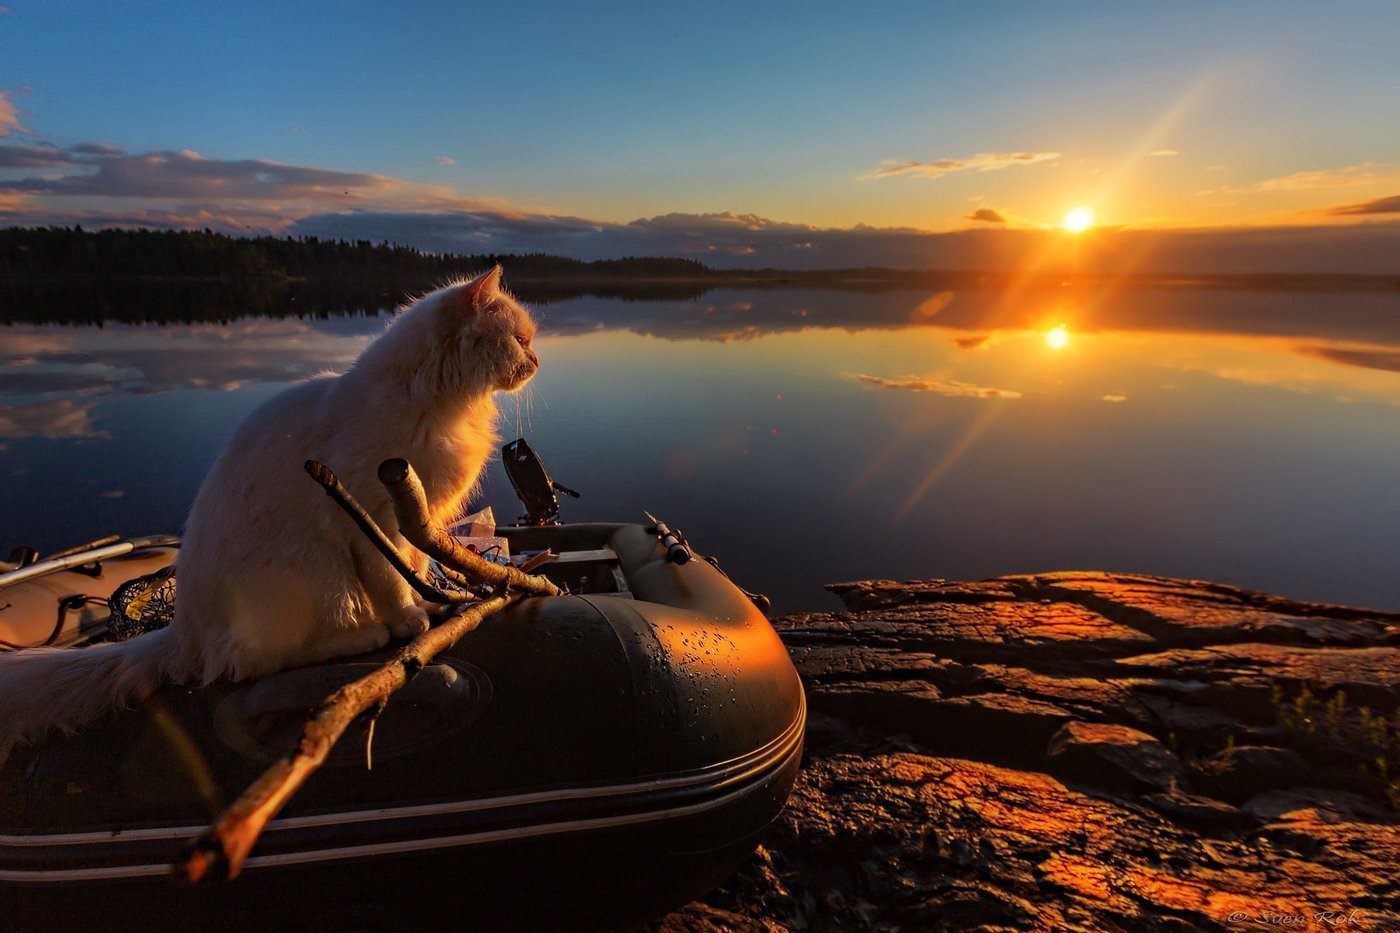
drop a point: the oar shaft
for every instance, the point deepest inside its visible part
(81, 558)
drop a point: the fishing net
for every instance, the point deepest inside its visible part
(143, 604)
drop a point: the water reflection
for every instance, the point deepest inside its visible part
(814, 435)
(139, 360)
(1245, 336)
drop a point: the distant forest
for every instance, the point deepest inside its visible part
(70, 253)
(61, 274)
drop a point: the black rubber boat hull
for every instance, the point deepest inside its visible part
(599, 879)
(584, 761)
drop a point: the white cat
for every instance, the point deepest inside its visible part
(271, 573)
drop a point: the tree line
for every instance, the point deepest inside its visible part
(72, 253)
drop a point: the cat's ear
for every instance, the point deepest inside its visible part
(483, 289)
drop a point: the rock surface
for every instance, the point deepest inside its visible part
(1112, 757)
(1083, 751)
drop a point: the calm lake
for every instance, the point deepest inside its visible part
(811, 436)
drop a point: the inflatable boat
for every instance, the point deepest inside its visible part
(586, 760)
(65, 599)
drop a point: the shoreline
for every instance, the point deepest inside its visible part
(1082, 750)
(837, 279)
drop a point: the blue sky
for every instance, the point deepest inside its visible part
(1156, 115)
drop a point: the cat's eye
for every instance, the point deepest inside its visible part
(522, 340)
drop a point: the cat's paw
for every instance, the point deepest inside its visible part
(412, 622)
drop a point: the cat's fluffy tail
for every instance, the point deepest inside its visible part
(62, 688)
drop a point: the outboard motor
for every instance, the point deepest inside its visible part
(533, 484)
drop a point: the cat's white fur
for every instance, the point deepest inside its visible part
(271, 574)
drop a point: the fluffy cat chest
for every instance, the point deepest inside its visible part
(455, 466)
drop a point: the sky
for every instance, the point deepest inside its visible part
(740, 134)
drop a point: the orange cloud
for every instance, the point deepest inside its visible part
(1390, 205)
(988, 215)
(1345, 177)
(9, 116)
(981, 162)
(953, 388)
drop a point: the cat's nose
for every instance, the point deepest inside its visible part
(534, 360)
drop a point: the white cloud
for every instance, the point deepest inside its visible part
(981, 162)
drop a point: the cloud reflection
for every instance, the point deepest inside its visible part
(1387, 359)
(51, 419)
(51, 375)
(979, 317)
(953, 388)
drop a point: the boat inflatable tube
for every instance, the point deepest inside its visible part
(63, 601)
(580, 761)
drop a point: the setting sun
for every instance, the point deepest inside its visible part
(1078, 220)
(1057, 338)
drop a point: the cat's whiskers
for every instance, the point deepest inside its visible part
(529, 401)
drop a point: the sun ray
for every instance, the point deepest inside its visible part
(950, 459)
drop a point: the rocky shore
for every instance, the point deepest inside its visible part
(1083, 751)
